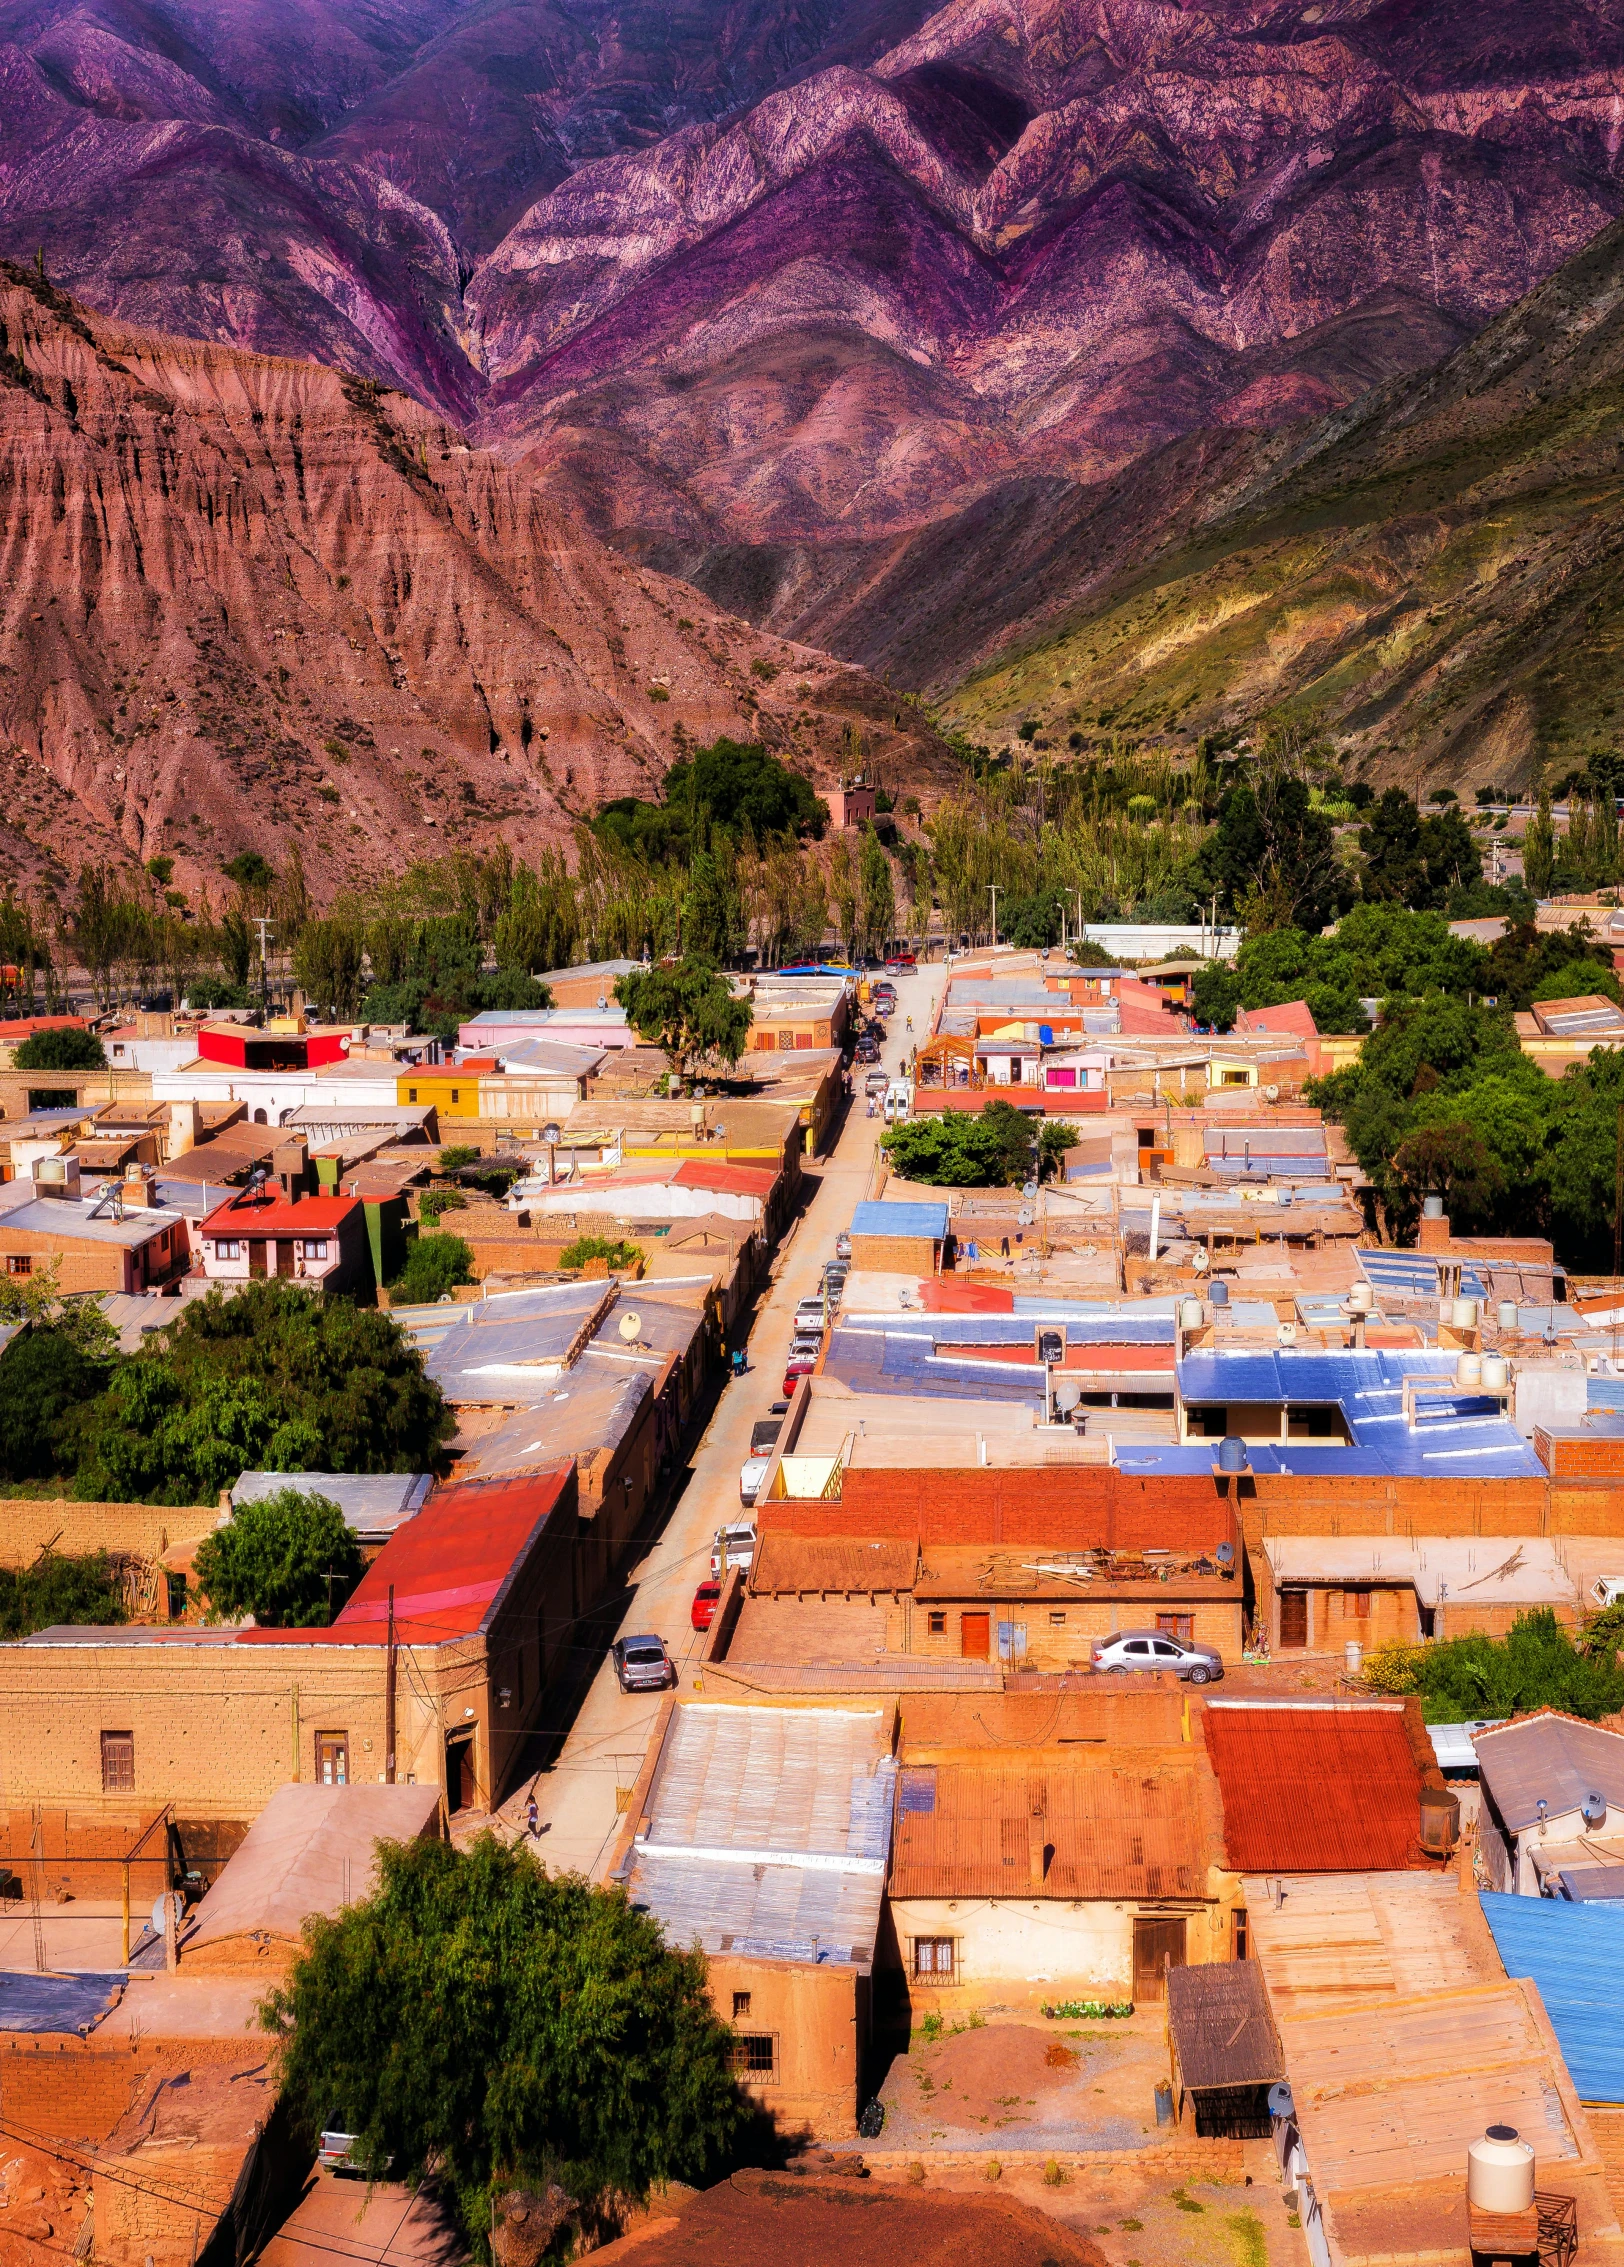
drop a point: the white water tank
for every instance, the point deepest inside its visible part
(1362, 1299)
(1191, 1314)
(1463, 1314)
(1469, 1369)
(1500, 2171)
(1496, 1373)
(1508, 1314)
(1353, 1658)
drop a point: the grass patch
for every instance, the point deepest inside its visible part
(1246, 2239)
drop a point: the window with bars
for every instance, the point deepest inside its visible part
(755, 2055)
(118, 1763)
(933, 1957)
(741, 2007)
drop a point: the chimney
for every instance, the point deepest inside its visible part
(1038, 1851)
(185, 1127)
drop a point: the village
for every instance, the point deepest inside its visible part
(981, 1619)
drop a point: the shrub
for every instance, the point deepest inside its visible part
(433, 1202)
(55, 1590)
(616, 1256)
(434, 1266)
(273, 1559)
(62, 1048)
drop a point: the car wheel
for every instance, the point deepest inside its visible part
(1200, 1675)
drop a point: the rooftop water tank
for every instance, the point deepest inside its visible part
(1496, 1373)
(1440, 1821)
(1219, 1293)
(1432, 1208)
(1463, 1314)
(1469, 1369)
(1506, 1314)
(1500, 2171)
(1362, 1299)
(1232, 1453)
(1190, 1314)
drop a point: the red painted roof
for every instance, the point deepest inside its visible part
(1057, 1102)
(311, 1216)
(13, 1033)
(1316, 1789)
(730, 1180)
(941, 1295)
(449, 1566)
(1292, 1019)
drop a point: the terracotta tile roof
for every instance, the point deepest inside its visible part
(1049, 1828)
(1317, 1787)
(804, 1563)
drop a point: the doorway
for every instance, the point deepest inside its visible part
(284, 1257)
(460, 1790)
(1157, 1946)
(975, 1636)
(1293, 1619)
(256, 1259)
(333, 1759)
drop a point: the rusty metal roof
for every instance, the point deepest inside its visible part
(965, 1570)
(1223, 2033)
(1316, 1787)
(1052, 1828)
(1110, 1711)
(806, 1562)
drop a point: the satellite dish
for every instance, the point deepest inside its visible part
(1225, 1554)
(1202, 1260)
(1030, 1190)
(631, 1326)
(552, 1131)
(1067, 1397)
(1023, 1218)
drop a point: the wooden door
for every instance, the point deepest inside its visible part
(284, 1256)
(975, 1636)
(256, 1257)
(460, 1790)
(333, 1759)
(1293, 1618)
(1157, 1946)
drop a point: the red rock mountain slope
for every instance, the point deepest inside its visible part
(245, 600)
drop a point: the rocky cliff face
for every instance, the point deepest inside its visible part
(245, 600)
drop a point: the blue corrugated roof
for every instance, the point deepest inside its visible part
(1573, 1953)
(1604, 1392)
(56, 2003)
(882, 1219)
(1413, 1275)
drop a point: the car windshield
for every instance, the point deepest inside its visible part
(643, 1656)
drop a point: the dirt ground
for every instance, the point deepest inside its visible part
(1154, 2218)
(1016, 2085)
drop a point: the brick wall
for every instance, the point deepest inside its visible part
(897, 1255)
(1047, 1506)
(29, 1523)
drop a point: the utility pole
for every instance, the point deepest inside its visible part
(264, 927)
(992, 889)
(389, 1695)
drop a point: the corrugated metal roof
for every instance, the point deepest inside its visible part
(1110, 1831)
(1592, 1884)
(806, 1562)
(882, 1219)
(56, 2003)
(1412, 1275)
(1316, 1788)
(373, 1503)
(1550, 1758)
(767, 1831)
(1112, 1711)
(312, 1849)
(1573, 1953)
(1223, 2033)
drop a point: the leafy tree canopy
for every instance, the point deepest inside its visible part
(732, 786)
(1536, 1665)
(1574, 979)
(45, 1378)
(434, 1266)
(476, 2018)
(273, 1558)
(55, 1590)
(688, 1009)
(272, 1379)
(993, 1148)
(62, 1048)
(1414, 861)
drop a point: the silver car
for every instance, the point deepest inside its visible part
(642, 1664)
(1156, 1649)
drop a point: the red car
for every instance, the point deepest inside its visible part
(802, 1366)
(706, 1600)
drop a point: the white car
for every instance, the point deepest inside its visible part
(810, 1315)
(732, 1546)
(751, 1474)
(1141, 1649)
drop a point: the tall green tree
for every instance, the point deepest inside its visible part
(1539, 848)
(288, 1559)
(689, 1010)
(879, 914)
(475, 2019)
(61, 1048)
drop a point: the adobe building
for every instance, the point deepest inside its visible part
(317, 1240)
(432, 1674)
(899, 1239)
(760, 1833)
(852, 803)
(118, 1239)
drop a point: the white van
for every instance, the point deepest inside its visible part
(898, 1102)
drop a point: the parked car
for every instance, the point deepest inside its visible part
(797, 1367)
(751, 1474)
(731, 1546)
(843, 1246)
(901, 964)
(706, 1600)
(642, 1664)
(867, 1050)
(810, 1314)
(876, 1081)
(764, 1435)
(1156, 1649)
